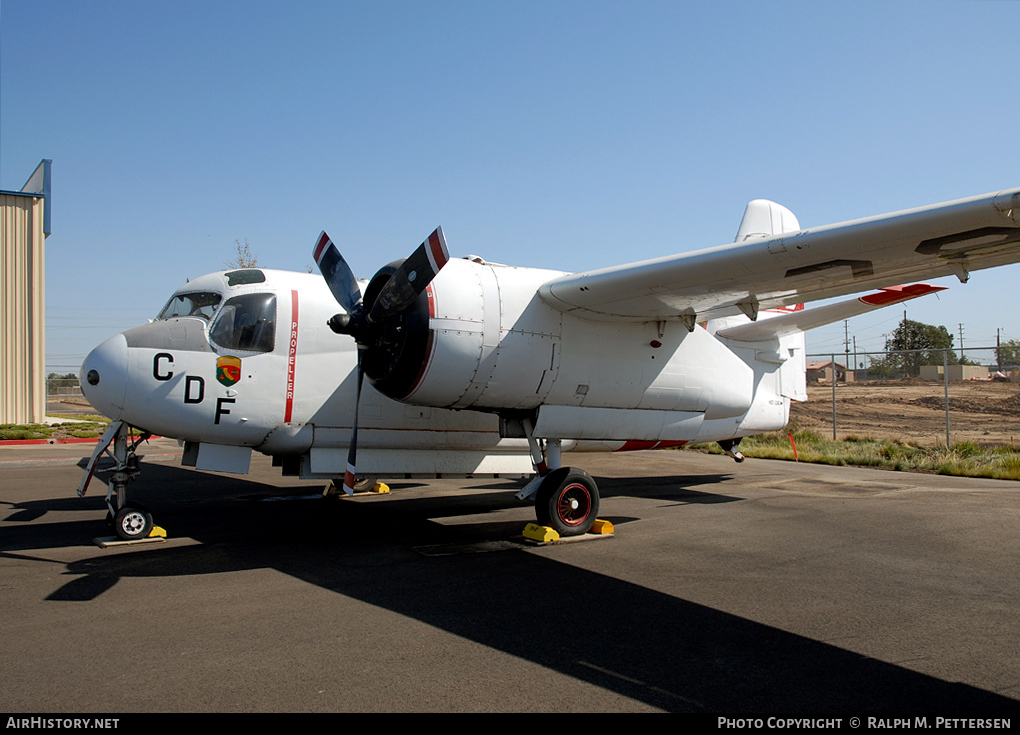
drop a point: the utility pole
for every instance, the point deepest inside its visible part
(846, 345)
(961, 342)
(906, 344)
(998, 352)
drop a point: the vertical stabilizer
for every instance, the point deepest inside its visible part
(763, 218)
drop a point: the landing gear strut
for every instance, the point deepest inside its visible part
(130, 521)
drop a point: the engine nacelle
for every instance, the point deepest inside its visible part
(480, 338)
(474, 339)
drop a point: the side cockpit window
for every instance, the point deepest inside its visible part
(246, 323)
(201, 304)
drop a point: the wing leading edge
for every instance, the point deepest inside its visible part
(764, 272)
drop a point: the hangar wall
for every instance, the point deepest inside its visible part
(23, 230)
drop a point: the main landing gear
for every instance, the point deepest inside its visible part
(130, 521)
(566, 499)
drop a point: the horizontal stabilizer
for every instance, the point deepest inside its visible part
(803, 320)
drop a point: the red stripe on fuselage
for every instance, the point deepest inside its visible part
(291, 356)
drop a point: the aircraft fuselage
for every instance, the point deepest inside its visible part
(245, 360)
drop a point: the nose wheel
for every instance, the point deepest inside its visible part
(131, 522)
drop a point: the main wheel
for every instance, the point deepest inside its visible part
(132, 522)
(567, 501)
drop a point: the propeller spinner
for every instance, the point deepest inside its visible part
(405, 283)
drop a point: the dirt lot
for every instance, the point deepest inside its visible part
(914, 410)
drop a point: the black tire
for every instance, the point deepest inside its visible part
(567, 501)
(132, 522)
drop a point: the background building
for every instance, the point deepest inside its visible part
(821, 372)
(956, 372)
(24, 225)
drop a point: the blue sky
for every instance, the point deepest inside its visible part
(558, 134)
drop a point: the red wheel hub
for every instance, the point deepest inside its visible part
(574, 504)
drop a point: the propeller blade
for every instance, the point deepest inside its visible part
(339, 276)
(411, 278)
(352, 453)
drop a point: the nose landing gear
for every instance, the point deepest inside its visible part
(130, 521)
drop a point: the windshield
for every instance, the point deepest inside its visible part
(201, 304)
(246, 322)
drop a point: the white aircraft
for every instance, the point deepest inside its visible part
(476, 368)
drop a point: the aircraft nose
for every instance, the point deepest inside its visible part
(104, 376)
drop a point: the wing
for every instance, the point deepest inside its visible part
(765, 272)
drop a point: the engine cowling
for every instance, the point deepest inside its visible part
(477, 337)
(399, 344)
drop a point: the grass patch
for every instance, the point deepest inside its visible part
(963, 460)
(87, 426)
(14, 432)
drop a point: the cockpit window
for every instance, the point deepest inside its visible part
(245, 277)
(202, 304)
(246, 322)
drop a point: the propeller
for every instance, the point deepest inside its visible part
(399, 292)
(341, 281)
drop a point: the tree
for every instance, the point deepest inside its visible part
(244, 258)
(1009, 353)
(929, 342)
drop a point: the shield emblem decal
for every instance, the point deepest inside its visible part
(228, 370)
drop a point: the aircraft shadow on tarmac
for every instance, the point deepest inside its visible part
(656, 648)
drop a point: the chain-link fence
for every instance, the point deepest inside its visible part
(63, 395)
(922, 395)
(59, 387)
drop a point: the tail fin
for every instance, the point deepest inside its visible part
(763, 218)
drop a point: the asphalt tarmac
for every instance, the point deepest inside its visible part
(760, 587)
